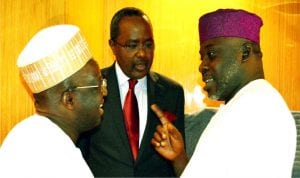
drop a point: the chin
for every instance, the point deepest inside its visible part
(140, 75)
(98, 121)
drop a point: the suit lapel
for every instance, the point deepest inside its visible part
(115, 112)
(155, 95)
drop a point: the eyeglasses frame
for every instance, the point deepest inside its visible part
(139, 46)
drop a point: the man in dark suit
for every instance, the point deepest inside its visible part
(109, 150)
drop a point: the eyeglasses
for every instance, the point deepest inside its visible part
(103, 87)
(134, 46)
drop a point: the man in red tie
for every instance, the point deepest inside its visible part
(121, 146)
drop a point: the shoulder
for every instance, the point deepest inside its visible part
(105, 71)
(259, 102)
(34, 130)
(163, 80)
(29, 126)
(29, 134)
(261, 93)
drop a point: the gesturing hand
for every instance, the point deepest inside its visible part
(167, 139)
(168, 142)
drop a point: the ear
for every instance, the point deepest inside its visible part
(112, 45)
(68, 99)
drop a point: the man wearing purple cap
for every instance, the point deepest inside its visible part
(253, 134)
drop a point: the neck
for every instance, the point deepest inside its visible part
(259, 75)
(61, 123)
(69, 130)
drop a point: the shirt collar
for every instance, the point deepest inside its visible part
(123, 78)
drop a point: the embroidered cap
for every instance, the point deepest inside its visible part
(230, 23)
(52, 55)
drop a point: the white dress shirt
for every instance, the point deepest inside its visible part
(140, 91)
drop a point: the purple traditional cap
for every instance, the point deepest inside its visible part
(230, 23)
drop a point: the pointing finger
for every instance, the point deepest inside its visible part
(159, 114)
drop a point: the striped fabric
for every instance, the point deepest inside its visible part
(46, 67)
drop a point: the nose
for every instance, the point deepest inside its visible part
(141, 51)
(103, 87)
(103, 91)
(203, 68)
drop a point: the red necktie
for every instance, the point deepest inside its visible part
(131, 115)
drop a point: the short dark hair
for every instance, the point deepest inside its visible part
(127, 11)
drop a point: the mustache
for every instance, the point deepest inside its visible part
(141, 61)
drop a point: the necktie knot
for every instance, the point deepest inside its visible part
(132, 83)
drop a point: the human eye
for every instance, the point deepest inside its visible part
(131, 45)
(148, 44)
(211, 54)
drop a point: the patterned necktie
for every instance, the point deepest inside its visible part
(131, 116)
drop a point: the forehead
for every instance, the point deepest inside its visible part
(90, 71)
(134, 27)
(221, 42)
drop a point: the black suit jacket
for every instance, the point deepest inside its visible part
(108, 153)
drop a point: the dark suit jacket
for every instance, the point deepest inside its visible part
(109, 153)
